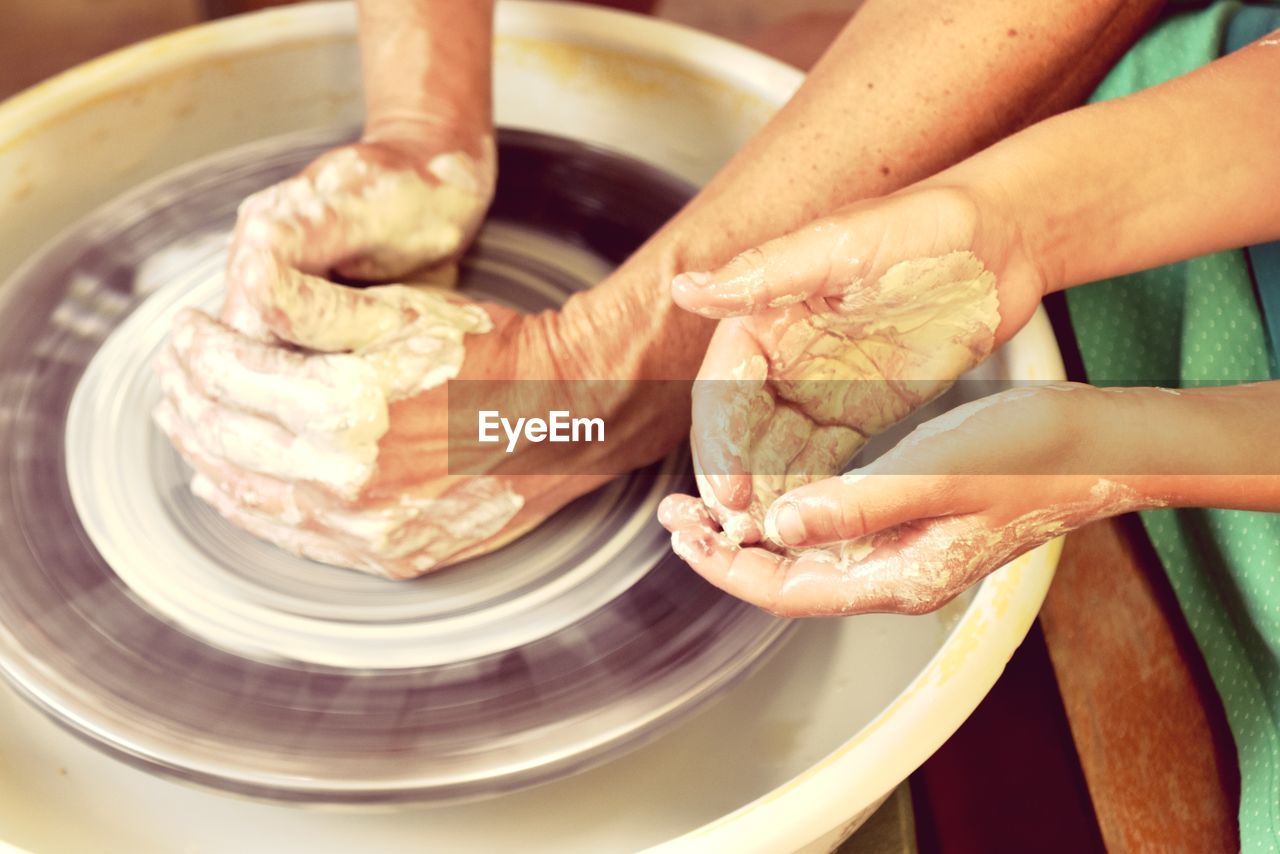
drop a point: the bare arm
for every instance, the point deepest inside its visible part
(1092, 202)
(1172, 172)
(1212, 447)
(427, 71)
(902, 93)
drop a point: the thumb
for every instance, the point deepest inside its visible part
(855, 505)
(287, 237)
(312, 312)
(819, 260)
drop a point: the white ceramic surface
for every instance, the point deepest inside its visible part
(787, 760)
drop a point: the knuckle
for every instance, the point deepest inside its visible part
(849, 520)
(924, 593)
(918, 602)
(748, 259)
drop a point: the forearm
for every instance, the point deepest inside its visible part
(1207, 447)
(1176, 171)
(901, 94)
(427, 71)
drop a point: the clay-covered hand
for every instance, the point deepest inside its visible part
(282, 405)
(838, 330)
(381, 210)
(956, 499)
(337, 448)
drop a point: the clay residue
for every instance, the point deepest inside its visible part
(835, 378)
(919, 567)
(282, 408)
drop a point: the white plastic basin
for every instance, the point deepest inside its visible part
(791, 759)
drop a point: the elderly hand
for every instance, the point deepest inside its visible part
(344, 456)
(379, 210)
(331, 438)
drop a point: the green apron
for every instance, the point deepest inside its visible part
(1203, 321)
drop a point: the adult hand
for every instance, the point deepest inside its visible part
(379, 210)
(342, 456)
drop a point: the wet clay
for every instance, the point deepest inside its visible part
(837, 377)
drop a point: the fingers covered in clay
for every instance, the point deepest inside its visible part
(823, 259)
(264, 494)
(337, 397)
(853, 506)
(912, 568)
(256, 444)
(749, 445)
(287, 444)
(853, 322)
(360, 212)
(954, 501)
(313, 415)
(284, 443)
(787, 585)
(399, 538)
(289, 536)
(729, 404)
(308, 310)
(843, 338)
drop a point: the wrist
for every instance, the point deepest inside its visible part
(664, 342)
(1021, 238)
(578, 348)
(1020, 226)
(424, 134)
(993, 229)
(1181, 448)
(1213, 447)
(628, 328)
(427, 68)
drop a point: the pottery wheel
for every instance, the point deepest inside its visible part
(134, 615)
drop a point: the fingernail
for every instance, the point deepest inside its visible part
(719, 485)
(691, 280)
(690, 547)
(784, 524)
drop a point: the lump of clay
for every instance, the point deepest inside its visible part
(832, 379)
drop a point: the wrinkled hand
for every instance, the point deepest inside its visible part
(343, 457)
(958, 498)
(373, 211)
(315, 415)
(839, 330)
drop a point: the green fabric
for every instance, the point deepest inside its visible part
(1184, 324)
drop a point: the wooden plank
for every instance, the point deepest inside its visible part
(39, 38)
(1149, 727)
(1008, 779)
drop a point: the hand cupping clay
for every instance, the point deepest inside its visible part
(918, 570)
(779, 444)
(354, 218)
(281, 411)
(834, 378)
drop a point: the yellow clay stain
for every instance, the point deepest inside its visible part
(136, 94)
(961, 644)
(629, 74)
